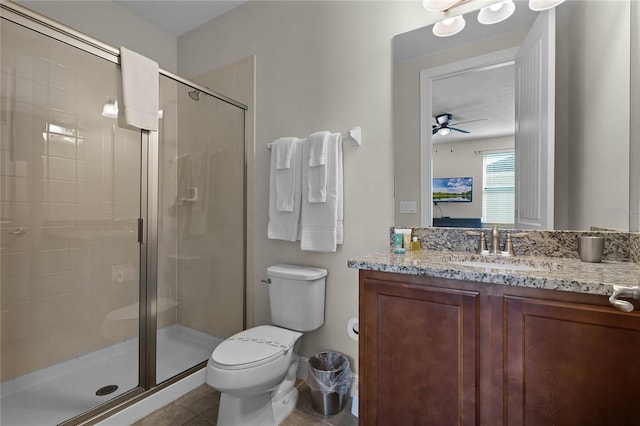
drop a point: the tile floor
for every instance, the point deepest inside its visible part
(200, 408)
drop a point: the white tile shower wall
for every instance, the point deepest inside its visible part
(69, 195)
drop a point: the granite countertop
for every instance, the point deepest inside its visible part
(550, 273)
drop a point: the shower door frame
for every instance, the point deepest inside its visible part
(150, 173)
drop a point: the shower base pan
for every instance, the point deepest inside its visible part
(60, 392)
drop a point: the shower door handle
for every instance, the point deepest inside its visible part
(140, 230)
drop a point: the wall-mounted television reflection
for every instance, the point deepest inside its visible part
(452, 190)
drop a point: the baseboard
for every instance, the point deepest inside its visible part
(303, 371)
(303, 368)
(354, 384)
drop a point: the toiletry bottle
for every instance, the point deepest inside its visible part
(397, 241)
(415, 244)
(406, 239)
(397, 238)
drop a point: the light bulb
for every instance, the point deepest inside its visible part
(444, 131)
(449, 26)
(110, 110)
(497, 12)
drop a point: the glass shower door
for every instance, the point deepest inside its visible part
(200, 294)
(70, 193)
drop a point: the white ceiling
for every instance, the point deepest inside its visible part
(179, 17)
(487, 95)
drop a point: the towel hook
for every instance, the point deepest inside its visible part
(355, 134)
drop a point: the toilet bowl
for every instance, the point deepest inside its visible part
(255, 370)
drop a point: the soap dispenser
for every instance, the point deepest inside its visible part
(415, 244)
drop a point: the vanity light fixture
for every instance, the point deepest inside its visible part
(496, 12)
(448, 27)
(110, 110)
(539, 5)
(492, 14)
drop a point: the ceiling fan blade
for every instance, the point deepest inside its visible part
(468, 121)
(459, 130)
(434, 130)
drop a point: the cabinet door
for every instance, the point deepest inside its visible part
(571, 364)
(418, 354)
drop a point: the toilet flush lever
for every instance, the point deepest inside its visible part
(267, 281)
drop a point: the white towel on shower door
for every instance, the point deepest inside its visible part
(140, 89)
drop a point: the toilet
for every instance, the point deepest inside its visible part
(255, 370)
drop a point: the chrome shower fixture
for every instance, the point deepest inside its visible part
(195, 94)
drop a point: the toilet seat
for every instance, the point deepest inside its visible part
(253, 347)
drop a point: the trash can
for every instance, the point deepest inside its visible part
(329, 380)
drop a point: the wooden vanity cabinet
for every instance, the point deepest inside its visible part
(447, 352)
(418, 354)
(570, 364)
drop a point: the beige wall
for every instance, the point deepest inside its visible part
(634, 181)
(592, 159)
(319, 65)
(113, 24)
(464, 159)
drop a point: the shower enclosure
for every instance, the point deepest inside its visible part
(122, 251)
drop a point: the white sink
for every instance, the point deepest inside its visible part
(503, 263)
(502, 266)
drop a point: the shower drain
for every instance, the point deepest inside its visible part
(106, 390)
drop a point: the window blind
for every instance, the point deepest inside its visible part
(498, 193)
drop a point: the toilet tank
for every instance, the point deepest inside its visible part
(296, 295)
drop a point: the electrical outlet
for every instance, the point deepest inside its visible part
(408, 207)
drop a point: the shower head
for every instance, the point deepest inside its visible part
(195, 94)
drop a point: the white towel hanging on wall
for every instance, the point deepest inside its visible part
(283, 224)
(316, 163)
(319, 220)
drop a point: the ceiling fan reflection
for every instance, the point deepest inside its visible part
(444, 124)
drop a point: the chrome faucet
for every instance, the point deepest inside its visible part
(508, 243)
(495, 249)
(495, 242)
(482, 242)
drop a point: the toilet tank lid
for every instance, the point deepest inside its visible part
(296, 272)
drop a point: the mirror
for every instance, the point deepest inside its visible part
(591, 173)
